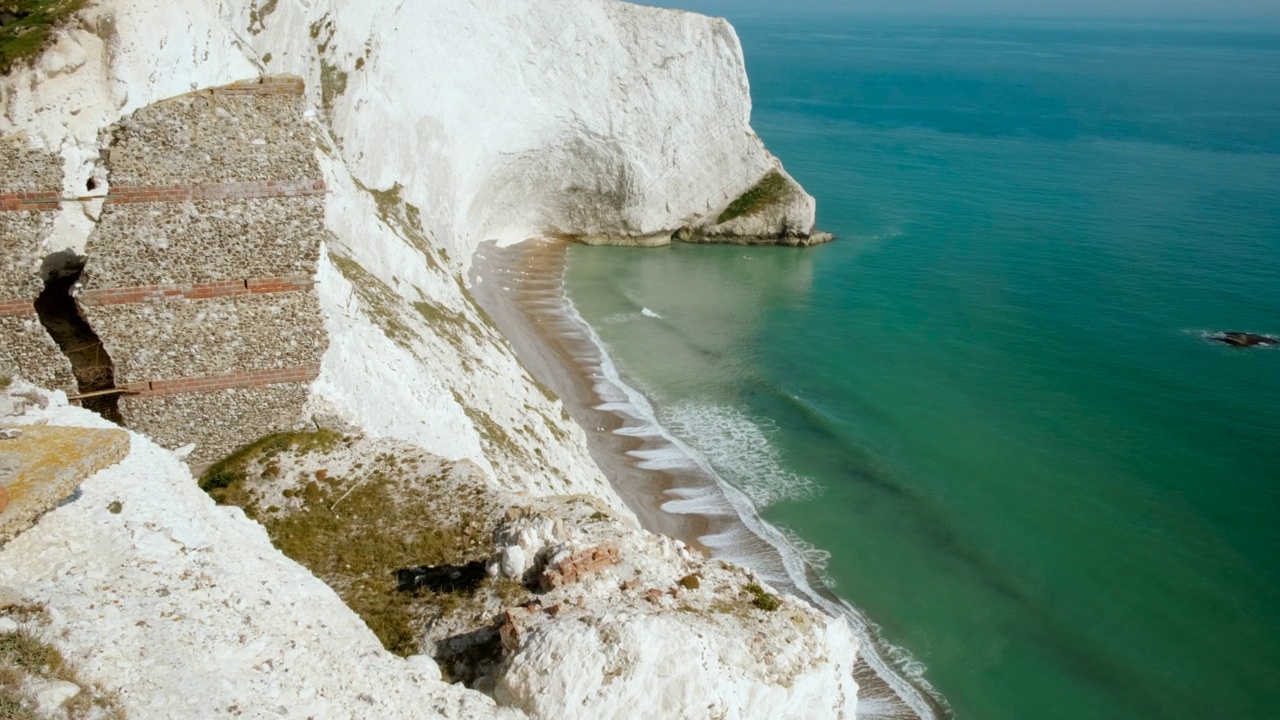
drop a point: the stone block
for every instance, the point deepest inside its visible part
(45, 464)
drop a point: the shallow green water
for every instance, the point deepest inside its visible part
(990, 401)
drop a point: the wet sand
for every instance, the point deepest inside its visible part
(522, 289)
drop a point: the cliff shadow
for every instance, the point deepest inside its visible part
(90, 363)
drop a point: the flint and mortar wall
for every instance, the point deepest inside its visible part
(200, 274)
(26, 349)
(218, 421)
(161, 243)
(216, 136)
(194, 338)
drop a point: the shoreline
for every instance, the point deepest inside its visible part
(665, 483)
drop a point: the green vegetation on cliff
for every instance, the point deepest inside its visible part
(26, 25)
(771, 189)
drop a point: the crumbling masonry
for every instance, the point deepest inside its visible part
(199, 278)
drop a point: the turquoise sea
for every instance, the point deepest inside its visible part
(988, 412)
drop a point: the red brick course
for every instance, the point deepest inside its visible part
(219, 191)
(16, 307)
(578, 565)
(32, 200)
(210, 383)
(195, 291)
(270, 85)
(52, 200)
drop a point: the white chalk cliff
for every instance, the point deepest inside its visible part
(445, 124)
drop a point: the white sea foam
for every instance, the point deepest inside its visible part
(741, 445)
(739, 448)
(649, 313)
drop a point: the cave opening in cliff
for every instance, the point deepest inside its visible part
(90, 363)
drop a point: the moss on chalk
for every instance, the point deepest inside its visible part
(258, 15)
(771, 189)
(353, 524)
(26, 27)
(222, 479)
(379, 302)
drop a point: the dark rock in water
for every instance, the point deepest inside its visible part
(1244, 339)
(441, 578)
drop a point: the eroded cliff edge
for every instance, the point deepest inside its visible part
(435, 126)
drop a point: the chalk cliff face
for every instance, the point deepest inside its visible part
(439, 125)
(507, 119)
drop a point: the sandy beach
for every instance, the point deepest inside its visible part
(522, 289)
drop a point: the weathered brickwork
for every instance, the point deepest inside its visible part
(182, 338)
(26, 350)
(208, 383)
(268, 85)
(578, 566)
(194, 291)
(33, 201)
(16, 307)
(216, 421)
(205, 241)
(51, 201)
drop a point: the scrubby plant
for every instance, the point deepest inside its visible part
(771, 189)
(27, 25)
(5, 382)
(24, 658)
(761, 598)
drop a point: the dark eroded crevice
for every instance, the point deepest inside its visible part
(58, 313)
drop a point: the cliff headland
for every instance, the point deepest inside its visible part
(243, 231)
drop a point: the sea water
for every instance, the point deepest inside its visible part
(988, 413)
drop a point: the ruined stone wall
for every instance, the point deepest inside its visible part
(193, 338)
(200, 274)
(162, 243)
(25, 347)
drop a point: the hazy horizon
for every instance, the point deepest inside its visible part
(1156, 10)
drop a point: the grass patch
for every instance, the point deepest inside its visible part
(494, 436)
(762, 599)
(771, 189)
(5, 382)
(223, 478)
(379, 300)
(24, 658)
(402, 217)
(26, 652)
(333, 83)
(258, 15)
(26, 27)
(354, 532)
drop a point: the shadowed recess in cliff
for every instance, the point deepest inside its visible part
(92, 366)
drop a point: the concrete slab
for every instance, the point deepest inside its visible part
(43, 465)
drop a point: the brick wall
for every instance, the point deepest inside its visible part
(37, 201)
(50, 201)
(16, 307)
(209, 383)
(193, 291)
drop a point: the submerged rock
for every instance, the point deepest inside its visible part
(1244, 339)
